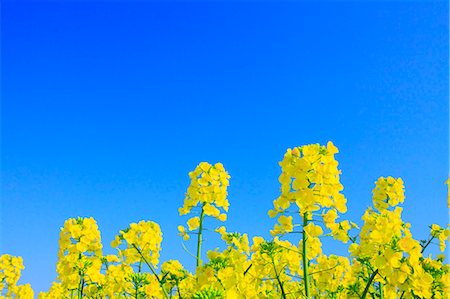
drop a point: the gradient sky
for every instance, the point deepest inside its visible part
(106, 107)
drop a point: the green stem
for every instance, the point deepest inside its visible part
(248, 268)
(381, 291)
(426, 245)
(304, 258)
(178, 291)
(199, 237)
(80, 288)
(140, 266)
(136, 288)
(283, 294)
(153, 271)
(369, 283)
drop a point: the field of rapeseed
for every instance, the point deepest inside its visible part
(384, 261)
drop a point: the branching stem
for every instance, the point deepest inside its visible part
(153, 271)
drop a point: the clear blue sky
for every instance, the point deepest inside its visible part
(106, 107)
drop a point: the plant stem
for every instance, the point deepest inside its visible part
(426, 245)
(199, 237)
(153, 270)
(80, 288)
(283, 294)
(369, 283)
(136, 287)
(304, 258)
(248, 268)
(381, 291)
(178, 291)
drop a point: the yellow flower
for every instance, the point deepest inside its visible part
(193, 223)
(388, 192)
(182, 232)
(142, 239)
(208, 191)
(313, 230)
(222, 217)
(330, 217)
(284, 227)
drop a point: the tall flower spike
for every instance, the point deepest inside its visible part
(208, 188)
(208, 192)
(310, 179)
(80, 252)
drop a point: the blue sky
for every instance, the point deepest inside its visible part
(106, 107)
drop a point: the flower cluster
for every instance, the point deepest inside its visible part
(310, 179)
(208, 192)
(10, 269)
(143, 240)
(310, 183)
(79, 259)
(385, 260)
